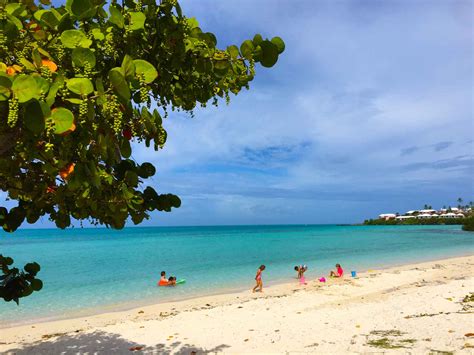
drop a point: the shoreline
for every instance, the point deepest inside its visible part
(130, 306)
(416, 307)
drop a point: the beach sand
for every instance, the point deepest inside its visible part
(414, 308)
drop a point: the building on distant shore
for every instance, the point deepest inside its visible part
(400, 218)
(427, 211)
(387, 216)
(451, 212)
(425, 215)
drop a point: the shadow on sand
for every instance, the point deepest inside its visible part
(107, 343)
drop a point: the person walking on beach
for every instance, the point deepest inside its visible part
(259, 286)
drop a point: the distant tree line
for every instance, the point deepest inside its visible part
(415, 221)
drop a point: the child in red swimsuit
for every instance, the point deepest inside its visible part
(258, 279)
(163, 281)
(338, 273)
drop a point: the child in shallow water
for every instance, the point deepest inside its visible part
(163, 280)
(258, 278)
(300, 270)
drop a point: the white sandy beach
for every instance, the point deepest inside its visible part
(414, 308)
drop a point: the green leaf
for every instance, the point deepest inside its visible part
(257, 39)
(27, 64)
(80, 86)
(32, 268)
(25, 88)
(116, 17)
(74, 101)
(125, 148)
(53, 90)
(75, 38)
(278, 42)
(209, 38)
(49, 18)
(131, 178)
(15, 9)
(36, 284)
(246, 48)
(37, 58)
(82, 9)
(128, 67)
(233, 51)
(10, 30)
(145, 68)
(146, 170)
(137, 21)
(192, 22)
(269, 54)
(83, 56)
(42, 83)
(119, 83)
(5, 86)
(97, 34)
(15, 21)
(63, 119)
(33, 117)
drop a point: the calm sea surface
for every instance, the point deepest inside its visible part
(92, 270)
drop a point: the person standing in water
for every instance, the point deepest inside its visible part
(300, 271)
(258, 278)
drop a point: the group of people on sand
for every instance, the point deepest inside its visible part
(300, 269)
(171, 281)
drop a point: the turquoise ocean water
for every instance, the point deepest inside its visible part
(89, 271)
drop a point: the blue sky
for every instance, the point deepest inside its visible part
(369, 110)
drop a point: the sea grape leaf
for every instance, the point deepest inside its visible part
(25, 88)
(33, 118)
(63, 119)
(137, 20)
(142, 67)
(247, 48)
(5, 85)
(269, 54)
(119, 83)
(116, 17)
(128, 67)
(75, 38)
(278, 42)
(83, 56)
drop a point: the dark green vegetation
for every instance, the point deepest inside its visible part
(468, 224)
(387, 339)
(468, 298)
(79, 81)
(15, 283)
(415, 221)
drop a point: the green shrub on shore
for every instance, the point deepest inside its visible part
(468, 224)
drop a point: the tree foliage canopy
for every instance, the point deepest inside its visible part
(79, 81)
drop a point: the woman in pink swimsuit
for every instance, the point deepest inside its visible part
(258, 278)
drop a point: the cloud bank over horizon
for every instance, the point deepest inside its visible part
(369, 110)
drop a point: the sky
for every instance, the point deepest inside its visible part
(369, 110)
